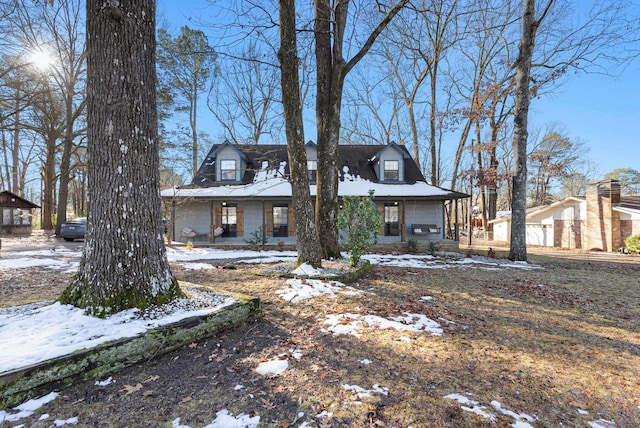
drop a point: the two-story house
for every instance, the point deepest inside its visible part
(241, 190)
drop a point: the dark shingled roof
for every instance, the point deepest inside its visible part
(632, 202)
(355, 157)
(11, 200)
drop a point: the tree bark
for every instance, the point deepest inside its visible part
(433, 111)
(124, 262)
(329, 66)
(331, 70)
(16, 146)
(48, 182)
(65, 161)
(518, 244)
(308, 247)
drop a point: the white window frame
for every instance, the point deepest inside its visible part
(312, 167)
(228, 174)
(388, 168)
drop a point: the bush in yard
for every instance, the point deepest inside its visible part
(433, 248)
(632, 244)
(412, 246)
(359, 222)
(258, 238)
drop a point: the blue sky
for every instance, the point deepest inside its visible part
(601, 111)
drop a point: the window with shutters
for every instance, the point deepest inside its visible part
(280, 221)
(229, 218)
(391, 220)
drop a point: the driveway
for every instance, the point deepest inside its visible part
(561, 253)
(37, 241)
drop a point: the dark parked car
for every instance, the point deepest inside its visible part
(73, 229)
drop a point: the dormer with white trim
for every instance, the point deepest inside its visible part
(389, 163)
(224, 164)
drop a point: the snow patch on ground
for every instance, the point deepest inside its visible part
(364, 393)
(225, 419)
(274, 366)
(27, 408)
(350, 323)
(458, 261)
(521, 420)
(302, 289)
(307, 270)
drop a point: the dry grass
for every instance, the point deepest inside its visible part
(545, 342)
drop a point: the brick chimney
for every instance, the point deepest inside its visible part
(603, 223)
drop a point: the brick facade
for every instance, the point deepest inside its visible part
(603, 231)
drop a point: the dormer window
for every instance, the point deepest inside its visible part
(312, 167)
(391, 170)
(228, 170)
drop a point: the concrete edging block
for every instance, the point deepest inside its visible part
(19, 385)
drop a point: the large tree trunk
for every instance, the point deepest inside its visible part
(15, 160)
(65, 160)
(331, 70)
(433, 111)
(518, 246)
(48, 182)
(124, 262)
(329, 66)
(193, 115)
(308, 247)
(491, 179)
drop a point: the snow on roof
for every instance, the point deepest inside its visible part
(268, 183)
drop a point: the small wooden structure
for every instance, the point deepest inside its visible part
(15, 214)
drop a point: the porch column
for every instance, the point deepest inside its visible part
(212, 223)
(403, 221)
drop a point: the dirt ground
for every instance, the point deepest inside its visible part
(560, 343)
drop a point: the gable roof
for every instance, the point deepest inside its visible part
(541, 209)
(353, 160)
(628, 204)
(217, 147)
(267, 175)
(391, 145)
(11, 200)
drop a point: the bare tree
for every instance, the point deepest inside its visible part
(332, 67)
(629, 180)
(48, 38)
(20, 88)
(553, 158)
(372, 111)
(308, 248)
(599, 36)
(530, 25)
(244, 98)
(64, 21)
(485, 82)
(124, 262)
(441, 23)
(47, 121)
(409, 73)
(186, 65)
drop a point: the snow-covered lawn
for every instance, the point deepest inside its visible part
(24, 341)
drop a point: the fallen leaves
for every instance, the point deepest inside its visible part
(128, 389)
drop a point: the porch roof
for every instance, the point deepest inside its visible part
(263, 186)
